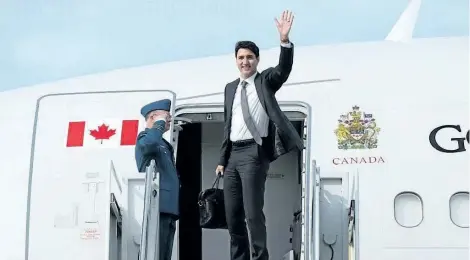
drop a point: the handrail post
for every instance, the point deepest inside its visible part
(151, 210)
(156, 211)
(314, 233)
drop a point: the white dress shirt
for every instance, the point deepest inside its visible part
(239, 130)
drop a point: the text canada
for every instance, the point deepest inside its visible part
(358, 160)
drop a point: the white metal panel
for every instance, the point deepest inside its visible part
(70, 212)
(409, 161)
(432, 175)
(334, 190)
(412, 165)
(117, 205)
(133, 215)
(58, 172)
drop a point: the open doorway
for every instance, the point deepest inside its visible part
(198, 151)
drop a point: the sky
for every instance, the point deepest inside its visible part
(48, 40)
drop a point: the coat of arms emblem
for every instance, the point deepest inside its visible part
(357, 130)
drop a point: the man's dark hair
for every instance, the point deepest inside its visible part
(247, 45)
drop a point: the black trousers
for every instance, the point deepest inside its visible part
(244, 188)
(167, 235)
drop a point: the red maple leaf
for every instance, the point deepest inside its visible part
(102, 133)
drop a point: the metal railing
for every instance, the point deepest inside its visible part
(149, 243)
(353, 233)
(313, 238)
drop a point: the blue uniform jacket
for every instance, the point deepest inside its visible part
(150, 145)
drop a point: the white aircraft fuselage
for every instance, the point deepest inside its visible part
(395, 114)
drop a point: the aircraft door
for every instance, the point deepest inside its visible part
(75, 137)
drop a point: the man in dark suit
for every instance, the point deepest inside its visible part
(256, 133)
(152, 146)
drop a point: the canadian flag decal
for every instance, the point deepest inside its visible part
(104, 133)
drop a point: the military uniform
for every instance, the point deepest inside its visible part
(151, 145)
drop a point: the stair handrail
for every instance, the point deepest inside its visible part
(152, 180)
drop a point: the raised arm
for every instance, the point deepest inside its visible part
(149, 141)
(279, 74)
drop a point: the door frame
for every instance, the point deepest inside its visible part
(309, 244)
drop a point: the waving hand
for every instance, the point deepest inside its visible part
(284, 25)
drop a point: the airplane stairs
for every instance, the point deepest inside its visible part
(134, 216)
(134, 206)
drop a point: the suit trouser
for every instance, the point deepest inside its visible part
(244, 188)
(167, 235)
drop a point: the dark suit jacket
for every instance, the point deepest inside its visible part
(282, 136)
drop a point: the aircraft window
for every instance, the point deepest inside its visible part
(459, 209)
(408, 209)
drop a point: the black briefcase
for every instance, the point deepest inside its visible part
(212, 207)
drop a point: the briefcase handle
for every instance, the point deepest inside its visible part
(201, 194)
(216, 182)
